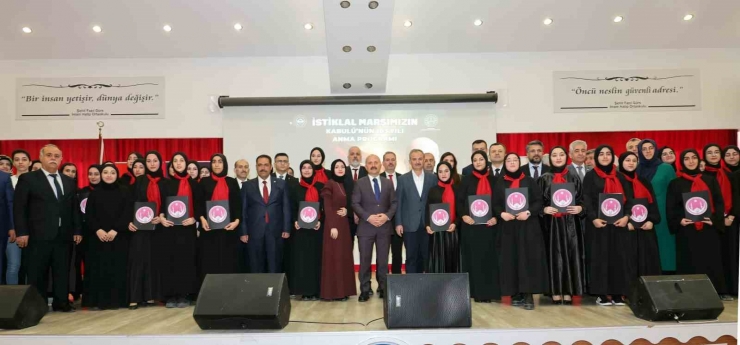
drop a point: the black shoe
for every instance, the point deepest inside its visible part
(528, 302)
(517, 300)
(364, 297)
(305, 298)
(315, 298)
(371, 292)
(343, 299)
(66, 308)
(381, 294)
(558, 302)
(133, 306)
(617, 300)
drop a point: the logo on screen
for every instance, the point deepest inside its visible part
(516, 201)
(308, 214)
(300, 121)
(696, 206)
(144, 215)
(440, 217)
(83, 205)
(610, 207)
(479, 208)
(562, 198)
(639, 213)
(177, 209)
(431, 121)
(217, 214)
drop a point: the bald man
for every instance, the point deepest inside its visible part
(429, 162)
(354, 172)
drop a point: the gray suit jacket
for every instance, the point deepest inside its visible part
(365, 205)
(411, 207)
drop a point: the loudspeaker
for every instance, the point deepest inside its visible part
(427, 301)
(21, 306)
(679, 297)
(243, 301)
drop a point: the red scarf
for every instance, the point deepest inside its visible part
(448, 197)
(484, 187)
(558, 178)
(320, 175)
(152, 193)
(698, 185)
(514, 181)
(184, 190)
(132, 180)
(724, 184)
(640, 190)
(221, 191)
(611, 182)
(312, 194)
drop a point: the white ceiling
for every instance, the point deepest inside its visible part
(133, 28)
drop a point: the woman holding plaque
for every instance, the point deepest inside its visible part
(337, 262)
(305, 246)
(698, 244)
(141, 272)
(444, 247)
(610, 251)
(479, 240)
(645, 215)
(78, 255)
(317, 162)
(522, 261)
(194, 170)
(218, 244)
(731, 158)
(128, 178)
(716, 168)
(452, 160)
(108, 211)
(564, 236)
(176, 243)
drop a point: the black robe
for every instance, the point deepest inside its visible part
(142, 275)
(610, 255)
(730, 239)
(108, 208)
(304, 276)
(479, 246)
(522, 261)
(697, 252)
(175, 250)
(77, 254)
(565, 245)
(444, 247)
(218, 249)
(646, 241)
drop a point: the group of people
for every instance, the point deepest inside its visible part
(561, 253)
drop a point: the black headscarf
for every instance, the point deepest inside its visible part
(647, 168)
(224, 171)
(172, 160)
(622, 157)
(333, 176)
(131, 170)
(61, 169)
(323, 157)
(485, 158)
(100, 172)
(516, 174)
(605, 168)
(197, 167)
(553, 168)
(449, 166)
(308, 180)
(140, 160)
(732, 168)
(157, 173)
(718, 165)
(115, 183)
(686, 170)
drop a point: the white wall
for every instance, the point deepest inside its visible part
(525, 79)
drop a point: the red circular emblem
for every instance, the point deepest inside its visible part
(479, 208)
(610, 207)
(308, 214)
(177, 209)
(696, 206)
(144, 215)
(217, 214)
(440, 217)
(639, 213)
(516, 201)
(562, 198)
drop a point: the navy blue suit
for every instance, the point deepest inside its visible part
(6, 214)
(265, 244)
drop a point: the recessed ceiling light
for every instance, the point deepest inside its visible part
(97, 29)
(371, 49)
(547, 21)
(308, 26)
(167, 28)
(688, 17)
(238, 27)
(618, 19)
(27, 30)
(478, 22)
(347, 85)
(408, 23)
(373, 5)
(368, 85)
(346, 49)
(345, 4)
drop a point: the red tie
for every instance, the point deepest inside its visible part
(355, 174)
(390, 177)
(266, 198)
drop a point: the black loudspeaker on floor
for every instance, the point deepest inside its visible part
(427, 301)
(21, 306)
(677, 297)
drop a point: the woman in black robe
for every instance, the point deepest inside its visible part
(452, 160)
(305, 257)
(564, 240)
(731, 159)
(128, 177)
(194, 170)
(479, 245)
(698, 245)
(610, 255)
(218, 247)
(141, 265)
(317, 158)
(444, 246)
(522, 261)
(78, 255)
(646, 240)
(176, 244)
(108, 211)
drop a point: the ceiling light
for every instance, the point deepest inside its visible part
(373, 5)
(238, 27)
(408, 23)
(347, 85)
(344, 4)
(97, 29)
(371, 49)
(478, 22)
(368, 86)
(308, 26)
(618, 19)
(547, 21)
(688, 17)
(346, 49)
(167, 28)
(27, 30)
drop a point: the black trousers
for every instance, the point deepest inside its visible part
(396, 253)
(42, 256)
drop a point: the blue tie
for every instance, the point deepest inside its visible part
(56, 186)
(376, 189)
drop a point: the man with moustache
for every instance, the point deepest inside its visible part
(355, 171)
(496, 154)
(374, 202)
(577, 155)
(535, 168)
(429, 162)
(590, 159)
(478, 145)
(241, 170)
(389, 167)
(46, 221)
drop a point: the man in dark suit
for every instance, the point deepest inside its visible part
(282, 164)
(355, 171)
(46, 220)
(411, 195)
(6, 216)
(535, 168)
(374, 202)
(265, 218)
(389, 167)
(577, 155)
(478, 145)
(496, 154)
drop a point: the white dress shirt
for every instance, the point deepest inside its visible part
(260, 185)
(372, 185)
(583, 169)
(281, 177)
(51, 183)
(239, 182)
(531, 169)
(14, 180)
(418, 181)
